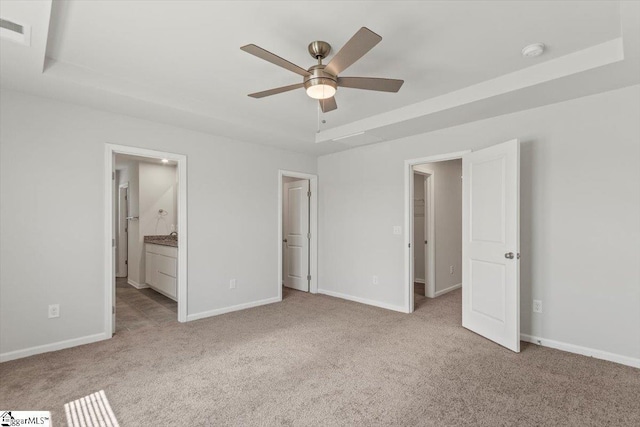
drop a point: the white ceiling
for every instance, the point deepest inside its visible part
(179, 61)
(124, 160)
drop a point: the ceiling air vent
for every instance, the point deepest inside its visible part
(15, 32)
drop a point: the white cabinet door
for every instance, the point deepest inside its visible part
(490, 246)
(296, 233)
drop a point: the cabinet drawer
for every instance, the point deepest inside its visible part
(166, 265)
(166, 284)
(162, 250)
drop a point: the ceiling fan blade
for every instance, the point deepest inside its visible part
(371, 83)
(361, 43)
(276, 91)
(274, 59)
(328, 104)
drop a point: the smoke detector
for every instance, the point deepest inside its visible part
(532, 50)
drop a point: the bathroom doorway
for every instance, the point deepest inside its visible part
(145, 283)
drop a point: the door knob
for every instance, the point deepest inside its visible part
(509, 255)
(284, 241)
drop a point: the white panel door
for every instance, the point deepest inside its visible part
(123, 225)
(296, 235)
(491, 242)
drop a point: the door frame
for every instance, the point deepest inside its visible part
(313, 227)
(109, 259)
(429, 230)
(119, 219)
(408, 218)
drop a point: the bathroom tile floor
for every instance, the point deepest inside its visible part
(139, 308)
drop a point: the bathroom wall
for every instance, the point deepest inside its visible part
(158, 188)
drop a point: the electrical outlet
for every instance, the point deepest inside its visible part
(54, 311)
(537, 306)
(375, 280)
(232, 284)
(397, 229)
(451, 269)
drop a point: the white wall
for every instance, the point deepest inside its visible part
(448, 222)
(52, 216)
(580, 210)
(157, 190)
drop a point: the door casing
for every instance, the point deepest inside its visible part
(296, 241)
(313, 228)
(429, 229)
(109, 235)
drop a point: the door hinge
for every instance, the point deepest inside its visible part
(113, 309)
(126, 230)
(113, 176)
(409, 244)
(308, 193)
(309, 236)
(308, 278)
(113, 243)
(126, 262)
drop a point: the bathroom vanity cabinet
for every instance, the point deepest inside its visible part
(161, 269)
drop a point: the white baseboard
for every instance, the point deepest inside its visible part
(449, 289)
(585, 351)
(136, 284)
(418, 281)
(363, 300)
(18, 354)
(219, 311)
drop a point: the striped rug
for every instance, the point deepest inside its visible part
(91, 411)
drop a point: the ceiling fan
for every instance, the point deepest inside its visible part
(321, 81)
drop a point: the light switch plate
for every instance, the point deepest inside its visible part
(397, 229)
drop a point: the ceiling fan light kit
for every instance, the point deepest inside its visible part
(320, 81)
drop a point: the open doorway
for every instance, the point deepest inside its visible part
(297, 231)
(490, 239)
(437, 229)
(146, 242)
(146, 234)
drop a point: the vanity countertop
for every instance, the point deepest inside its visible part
(163, 240)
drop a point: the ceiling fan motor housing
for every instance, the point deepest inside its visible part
(319, 50)
(320, 77)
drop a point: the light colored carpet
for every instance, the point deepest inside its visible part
(317, 360)
(93, 410)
